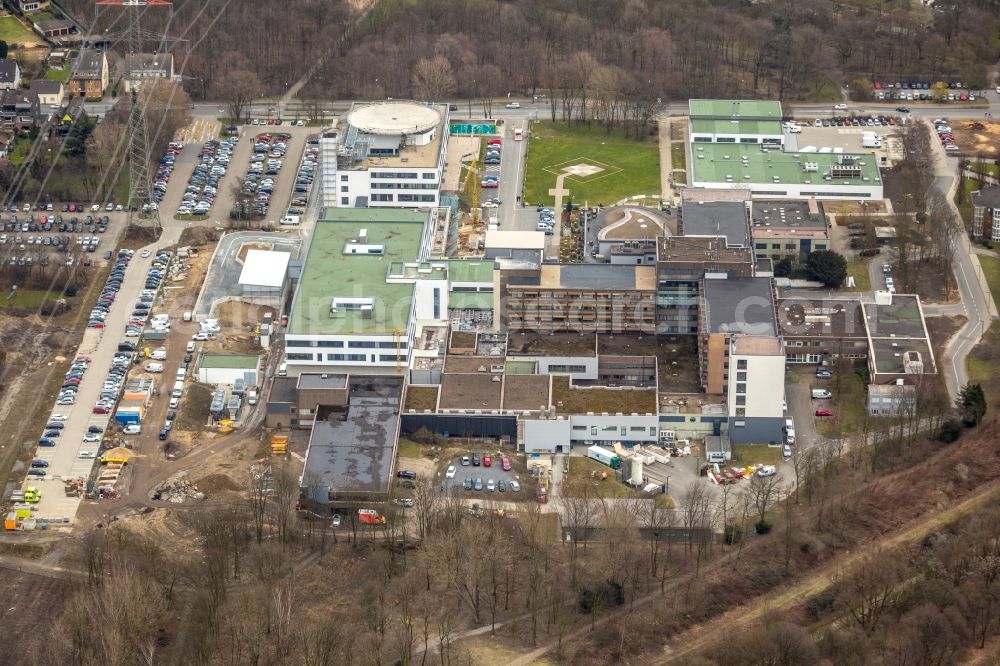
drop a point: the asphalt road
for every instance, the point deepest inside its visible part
(540, 110)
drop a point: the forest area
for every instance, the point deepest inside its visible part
(879, 554)
(780, 49)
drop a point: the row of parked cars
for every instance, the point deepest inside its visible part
(303, 180)
(546, 220)
(112, 286)
(55, 223)
(265, 163)
(203, 186)
(141, 309)
(945, 135)
(42, 207)
(921, 90)
(856, 121)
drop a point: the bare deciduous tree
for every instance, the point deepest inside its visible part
(433, 79)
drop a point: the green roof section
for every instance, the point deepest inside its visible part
(231, 361)
(747, 164)
(470, 270)
(718, 126)
(470, 300)
(734, 108)
(328, 273)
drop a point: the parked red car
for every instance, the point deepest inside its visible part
(824, 412)
(487, 461)
(505, 463)
(98, 409)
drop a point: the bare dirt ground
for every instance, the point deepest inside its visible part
(975, 137)
(27, 598)
(246, 247)
(940, 330)
(853, 207)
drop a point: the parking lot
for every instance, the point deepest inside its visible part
(466, 475)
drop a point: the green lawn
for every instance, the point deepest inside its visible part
(755, 454)
(991, 269)
(586, 472)
(57, 75)
(983, 365)
(13, 32)
(20, 152)
(629, 167)
(988, 168)
(28, 298)
(407, 448)
(965, 208)
(858, 269)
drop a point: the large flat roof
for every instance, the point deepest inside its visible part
(747, 164)
(734, 108)
(229, 361)
(700, 249)
(264, 268)
(716, 218)
(516, 240)
(598, 276)
(353, 452)
(329, 273)
(900, 319)
(740, 305)
(735, 126)
(527, 343)
(821, 318)
(471, 270)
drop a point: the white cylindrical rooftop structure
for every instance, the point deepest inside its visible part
(387, 118)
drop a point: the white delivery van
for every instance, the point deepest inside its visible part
(178, 390)
(789, 431)
(283, 370)
(181, 374)
(290, 219)
(154, 367)
(159, 355)
(821, 394)
(132, 429)
(187, 316)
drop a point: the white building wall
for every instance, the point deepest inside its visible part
(765, 385)
(799, 191)
(587, 366)
(356, 351)
(546, 436)
(219, 376)
(598, 428)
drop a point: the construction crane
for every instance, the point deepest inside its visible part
(140, 182)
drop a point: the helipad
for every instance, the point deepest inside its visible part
(394, 118)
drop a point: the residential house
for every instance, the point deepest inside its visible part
(18, 109)
(32, 5)
(142, 66)
(986, 214)
(10, 75)
(50, 93)
(89, 77)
